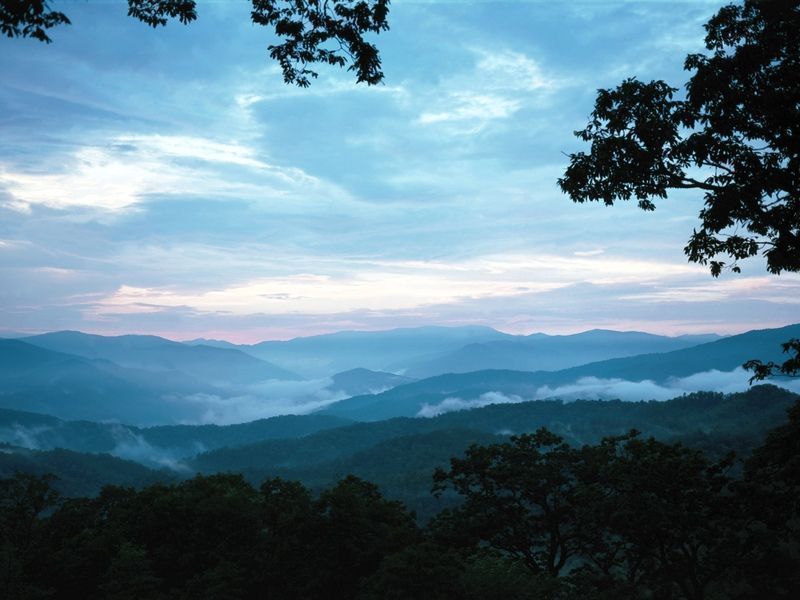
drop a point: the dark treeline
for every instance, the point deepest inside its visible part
(628, 517)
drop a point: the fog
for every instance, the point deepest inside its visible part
(132, 446)
(594, 388)
(454, 404)
(263, 400)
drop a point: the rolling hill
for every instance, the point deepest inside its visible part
(219, 366)
(723, 355)
(540, 352)
(392, 350)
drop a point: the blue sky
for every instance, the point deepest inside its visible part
(168, 182)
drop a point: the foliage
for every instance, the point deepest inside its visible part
(519, 499)
(29, 18)
(737, 125)
(734, 137)
(312, 31)
(627, 517)
(24, 498)
(634, 517)
(790, 367)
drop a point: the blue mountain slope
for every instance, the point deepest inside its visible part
(540, 352)
(68, 386)
(153, 353)
(723, 355)
(391, 350)
(364, 381)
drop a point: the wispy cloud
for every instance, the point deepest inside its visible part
(391, 285)
(130, 169)
(500, 84)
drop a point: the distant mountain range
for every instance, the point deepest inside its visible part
(69, 386)
(136, 379)
(148, 380)
(220, 366)
(421, 352)
(724, 354)
(391, 350)
(150, 445)
(539, 352)
(363, 381)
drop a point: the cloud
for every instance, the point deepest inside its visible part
(783, 291)
(455, 404)
(500, 84)
(132, 169)
(594, 388)
(178, 178)
(263, 400)
(25, 437)
(389, 285)
(471, 106)
(132, 446)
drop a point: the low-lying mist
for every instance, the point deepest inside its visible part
(263, 400)
(594, 388)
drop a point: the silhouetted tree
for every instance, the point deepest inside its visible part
(312, 31)
(734, 137)
(359, 528)
(771, 496)
(23, 500)
(518, 499)
(660, 522)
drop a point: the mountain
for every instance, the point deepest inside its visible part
(79, 474)
(152, 353)
(392, 350)
(364, 381)
(68, 386)
(400, 454)
(159, 445)
(724, 355)
(539, 352)
(212, 343)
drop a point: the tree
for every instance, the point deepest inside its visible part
(771, 492)
(357, 530)
(733, 137)
(518, 499)
(655, 518)
(312, 31)
(23, 498)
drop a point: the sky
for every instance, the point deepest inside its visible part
(168, 182)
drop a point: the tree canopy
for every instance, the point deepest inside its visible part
(311, 31)
(733, 137)
(533, 517)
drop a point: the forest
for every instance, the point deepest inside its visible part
(531, 517)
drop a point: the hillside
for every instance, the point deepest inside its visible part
(206, 363)
(150, 445)
(72, 387)
(410, 448)
(392, 350)
(549, 353)
(723, 355)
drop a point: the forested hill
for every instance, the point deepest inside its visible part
(715, 422)
(398, 454)
(724, 355)
(570, 510)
